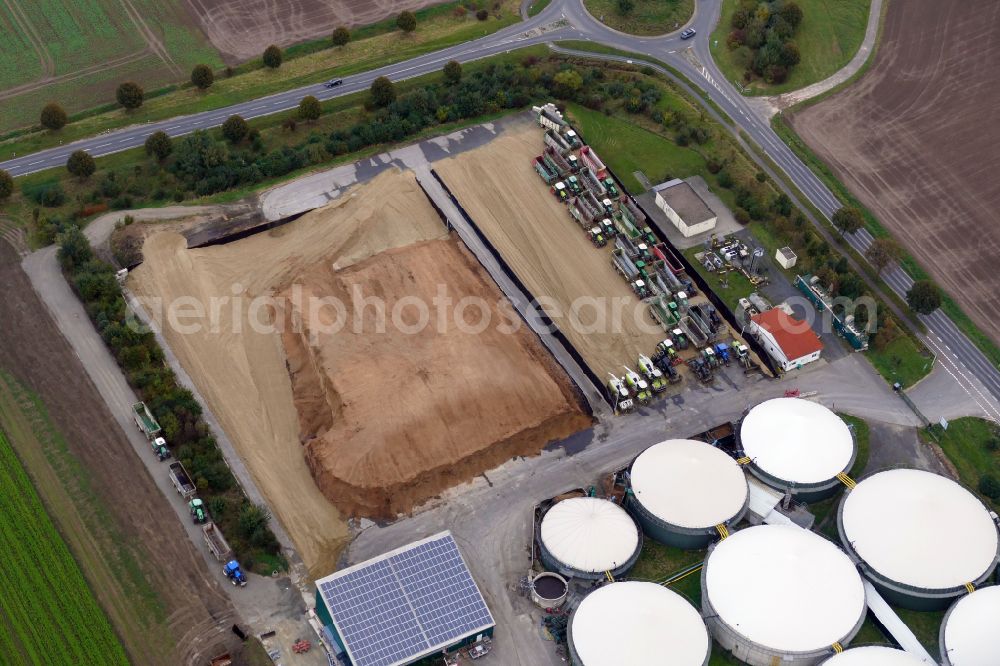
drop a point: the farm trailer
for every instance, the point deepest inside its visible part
(181, 480)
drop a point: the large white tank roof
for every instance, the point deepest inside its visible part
(784, 587)
(638, 623)
(874, 655)
(589, 534)
(972, 629)
(919, 529)
(797, 440)
(688, 483)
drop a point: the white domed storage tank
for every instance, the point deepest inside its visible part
(634, 622)
(920, 537)
(586, 537)
(970, 632)
(778, 594)
(797, 446)
(681, 489)
(874, 655)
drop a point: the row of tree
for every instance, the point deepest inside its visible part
(178, 412)
(130, 95)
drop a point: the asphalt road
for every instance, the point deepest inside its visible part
(567, 19)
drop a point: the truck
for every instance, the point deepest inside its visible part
(572, 138)
(216, 542)
(636, 216)
(574, 185)
(623, 264)
(199, 514)
(591, 159)
(554, 158)
(160, 449)
(144, 419)
(556, 141)
(559, 189)
(609, 185)
(592, 182)
(234, 573)
(181, 480)
(547, 174)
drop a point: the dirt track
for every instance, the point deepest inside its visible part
(241, 29)
(918, 142)
(548, 251)
(196, 613)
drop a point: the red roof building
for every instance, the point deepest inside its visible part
(790, 341)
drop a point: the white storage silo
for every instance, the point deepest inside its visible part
(778, 594)
(587, 537)
(797, 446)
(634, 622)
(970, 632)
(921, 537)
(681, 489)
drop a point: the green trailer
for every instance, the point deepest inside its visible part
(145, 421)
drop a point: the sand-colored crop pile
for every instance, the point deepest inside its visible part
(393, 418)
(399, 411)
(549, 252)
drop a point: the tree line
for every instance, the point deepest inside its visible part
(178, 412)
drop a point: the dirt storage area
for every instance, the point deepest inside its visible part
(917, 140)
(549, 252)
(241, 29)
(380, 420)
(165, 604)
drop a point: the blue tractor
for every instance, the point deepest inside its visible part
(234, 573)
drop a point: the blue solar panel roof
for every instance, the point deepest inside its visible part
(405, 604)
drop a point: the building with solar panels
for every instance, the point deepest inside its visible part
(402, 606)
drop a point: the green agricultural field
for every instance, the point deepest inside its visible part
(48, 615)
(973, 446)
(830, 35)
(77, 51)
(647, 17)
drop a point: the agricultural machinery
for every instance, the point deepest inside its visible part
(198, 512)
(234, 573)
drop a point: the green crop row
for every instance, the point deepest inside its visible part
(49, 614)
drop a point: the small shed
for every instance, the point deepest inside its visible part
(785, 257)
(684, 208)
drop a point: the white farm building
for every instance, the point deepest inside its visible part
(686, 210)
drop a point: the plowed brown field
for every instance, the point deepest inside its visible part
(241, 29)
(917, 140)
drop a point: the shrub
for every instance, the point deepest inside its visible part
(309, 108)
(129, 95)
(53, 117)
(482, 15)
(81, 164)
(202, 77)
(272, 57)
(406, 22)
(989, 485)
(235, 129)
(6, 185)
(383, 92)
(159, 145)
(452, 72)
(341, 36)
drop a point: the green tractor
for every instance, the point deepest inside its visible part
(198, 511)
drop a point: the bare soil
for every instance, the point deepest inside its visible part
(130, 516)
(465, 396)
(387, 420)
(917, 141)
(549, 252)
(241, 29)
